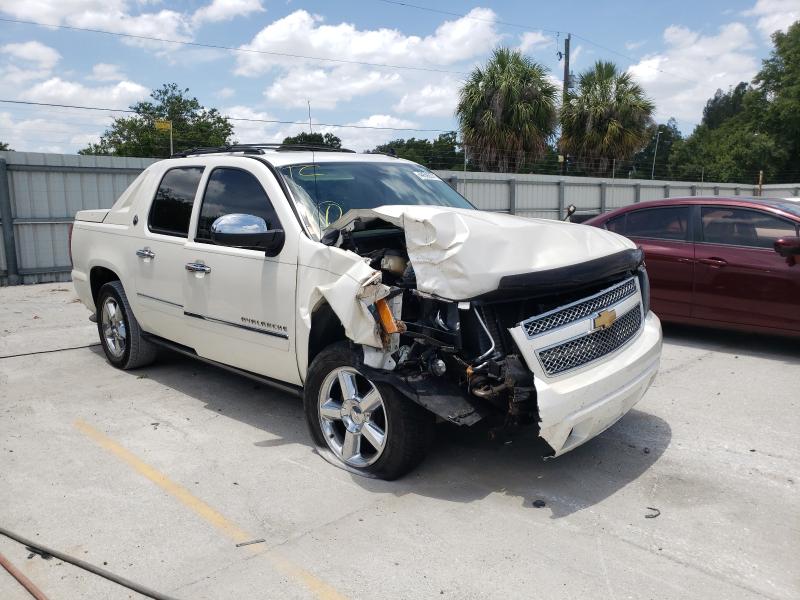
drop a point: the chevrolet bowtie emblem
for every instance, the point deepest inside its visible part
(605, 319)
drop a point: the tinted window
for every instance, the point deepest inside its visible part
(172, 206)
(668, 223)
(617, 224)
(743, 227)
(233, 191)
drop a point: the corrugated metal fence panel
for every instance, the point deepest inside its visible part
(45, 196)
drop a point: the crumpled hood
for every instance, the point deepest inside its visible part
(461, 253)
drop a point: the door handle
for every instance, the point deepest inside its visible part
(713, 261)
(145, 253)
(196, 267)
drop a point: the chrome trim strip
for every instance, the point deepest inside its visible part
(283, 336)
(175, 304)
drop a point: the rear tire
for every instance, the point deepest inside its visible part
(121, 336)
(368, 426)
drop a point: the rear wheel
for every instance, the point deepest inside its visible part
(120, 335)
(367, 426)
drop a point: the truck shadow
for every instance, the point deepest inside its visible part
(463, 466)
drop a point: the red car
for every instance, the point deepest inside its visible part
(720, 262)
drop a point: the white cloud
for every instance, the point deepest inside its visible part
(109, 15)
(252, 131)
(774, 15)
(225, 10)
(434, 100)
(225, 92)
(43, 56)
(325, 88)
(692, 67)
(533, 40)
(301, 33)
(57, 90)
(51, 134)
(106, 72)
(367, 139)
(630, 46)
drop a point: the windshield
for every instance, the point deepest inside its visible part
(326, 191)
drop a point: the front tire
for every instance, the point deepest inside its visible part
(368, 426)
(120, 335)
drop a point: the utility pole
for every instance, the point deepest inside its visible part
(655, 153)
(310, 130)
(566, 90)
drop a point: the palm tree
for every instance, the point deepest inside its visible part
(507, 111)
(608, 117)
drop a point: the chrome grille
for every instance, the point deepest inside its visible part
(585, 349)
(583, 308)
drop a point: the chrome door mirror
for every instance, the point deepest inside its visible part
(247, 231)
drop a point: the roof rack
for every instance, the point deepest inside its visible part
(258, 149)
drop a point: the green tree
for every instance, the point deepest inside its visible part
(193, 126)
(662, 141)
(4, 146)
(507, 112)
(724, 105)
(441, 153)
(606, 117)
(776, 101)
(314, 139)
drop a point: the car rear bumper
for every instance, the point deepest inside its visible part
(576, 407)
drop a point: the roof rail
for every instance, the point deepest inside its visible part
(257, 149)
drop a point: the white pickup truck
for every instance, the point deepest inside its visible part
(370, 287)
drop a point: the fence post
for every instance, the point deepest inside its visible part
(637, 193)
(716, 190)
(12, 270)
(737, 191)
(667, 190)
(797, 191)
(512, 196)
(694, 190)
(603, 201)
(561, 197)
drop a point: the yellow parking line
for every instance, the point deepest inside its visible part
(321, 589)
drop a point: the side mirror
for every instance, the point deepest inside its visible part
(788, 247)
(247, 231)
(570, 211)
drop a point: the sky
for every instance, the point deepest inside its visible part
(372, 70)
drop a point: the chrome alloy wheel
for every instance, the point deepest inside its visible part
(352, 417)
(114, 332)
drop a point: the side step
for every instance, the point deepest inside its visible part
(294, 390)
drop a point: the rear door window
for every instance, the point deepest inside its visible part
(664, 223)
(744, 227)
(172, 206)
(233, 191)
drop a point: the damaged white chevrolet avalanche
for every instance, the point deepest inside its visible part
(368, 285)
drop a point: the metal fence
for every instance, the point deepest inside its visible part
(40, 194)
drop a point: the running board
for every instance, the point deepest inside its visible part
(294, 390)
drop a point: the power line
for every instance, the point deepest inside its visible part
(234, 49)
(243, 119)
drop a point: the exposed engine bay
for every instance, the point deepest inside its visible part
(457, 357)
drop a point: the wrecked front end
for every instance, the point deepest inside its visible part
(565, 350)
